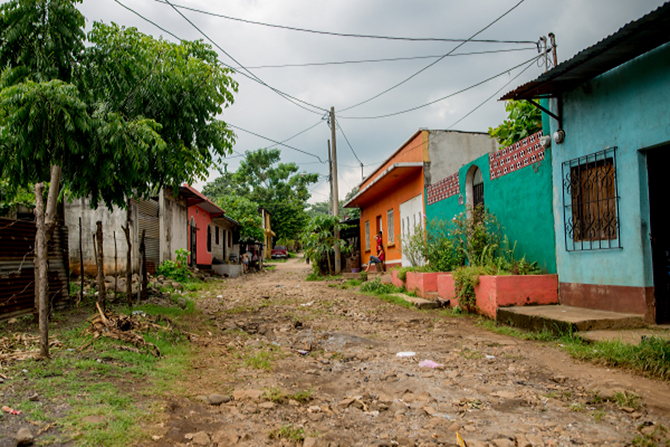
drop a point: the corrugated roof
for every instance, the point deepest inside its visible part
(629, 42)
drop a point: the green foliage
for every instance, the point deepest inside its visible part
(11, 196)
(466, 278)
(244, 211)
(414, 246)
(440, 248)
(296, 434)
(278, 187)
(651, 356)
(344, 213)
(523, 119)
(318, 241)
(176, 270)
(379, 288)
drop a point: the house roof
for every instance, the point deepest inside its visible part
(194, 197)
(387, 179)
(630, 41)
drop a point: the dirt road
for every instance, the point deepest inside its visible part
(291, 362)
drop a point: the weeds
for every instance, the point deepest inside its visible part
(289, 432)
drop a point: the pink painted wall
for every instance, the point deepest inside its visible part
(446, 288)
(202, 220)
(395, 280)
(421, 282)
(493, 292)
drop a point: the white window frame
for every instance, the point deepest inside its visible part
(367, 235)
(390, 224)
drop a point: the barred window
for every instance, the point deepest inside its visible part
(590, 202)
(390, 238)
(367, 235)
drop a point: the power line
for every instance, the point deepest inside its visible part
(250, 76)
(470, 39)
(348, 143)
(492, 96)
(259, 80)
(338, 34)
(411, 109)
(390, 59)
(276, 142)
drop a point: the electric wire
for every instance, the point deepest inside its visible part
(492, 96)
(250, 76)
(259, 80)
(411, 109)
(276, 142)
(337, 123)
(338, 34)
(390, 59)
(469, 39)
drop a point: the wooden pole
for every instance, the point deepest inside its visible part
(116, 265)
(81, 264)
(334, 186)
(100, 261)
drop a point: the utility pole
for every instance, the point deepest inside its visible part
(330, 176)
(333, 186)
(552, 39)
(362, 176)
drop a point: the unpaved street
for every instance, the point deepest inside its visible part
(291, 362)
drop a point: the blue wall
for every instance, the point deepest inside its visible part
(521, 202)
(627, 107)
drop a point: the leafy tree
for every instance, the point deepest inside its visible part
(246, 213)
(318, 241)
(523, 119)
(10, 196)
(344, 213)
(117, 119)
(278, 187)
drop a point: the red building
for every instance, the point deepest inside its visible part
(212, 236)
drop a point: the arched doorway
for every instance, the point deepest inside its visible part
(474, 187)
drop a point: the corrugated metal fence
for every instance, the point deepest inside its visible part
(17, 273)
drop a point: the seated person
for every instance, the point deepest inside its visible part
(379, 259)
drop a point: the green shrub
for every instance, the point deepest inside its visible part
(379, 288)
(176, 270)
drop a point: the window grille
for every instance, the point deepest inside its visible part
(367, 235)
(591, 202)
(391, 227)
(216, 235)
(209, 238)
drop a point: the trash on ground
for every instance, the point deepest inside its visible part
(302, 351)
(307, 304)
(402, 354)
(10, 410)
(490, 357)
(460, 441)
(430, 364)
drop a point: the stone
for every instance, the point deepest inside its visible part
(503, 442)
(267, 405)
(200, 438)
(310, 442)
(225, 437)
(217, 399)
(24, 436)
(247, 394)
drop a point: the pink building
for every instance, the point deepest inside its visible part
(212, 236)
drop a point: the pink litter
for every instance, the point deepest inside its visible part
(430, 364)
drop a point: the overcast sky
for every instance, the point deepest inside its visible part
(576, 23)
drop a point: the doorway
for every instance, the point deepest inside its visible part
(194, 244)
(659, 184)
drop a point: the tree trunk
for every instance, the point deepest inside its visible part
(100, 259)
(143, 270)
(45, 220)
(41, 270)
(81, 264)
(116, 266)
(129, 259)
(330, 268)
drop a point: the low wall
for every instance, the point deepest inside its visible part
(422, 283)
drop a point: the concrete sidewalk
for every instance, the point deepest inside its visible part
(560, 318)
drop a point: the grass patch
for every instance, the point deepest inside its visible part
(289, 432)
(651, 356)
(94, 396)
(515, 332)
(262, 358)
(318, 277)
(279, 396)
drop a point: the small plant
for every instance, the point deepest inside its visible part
(378, 288)
(289, 432)
(624, 399)
(178, 269)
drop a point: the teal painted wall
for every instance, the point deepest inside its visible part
(521, 201)
(627, 107)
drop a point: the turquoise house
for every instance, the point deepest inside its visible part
(515, 185)
(610, 109)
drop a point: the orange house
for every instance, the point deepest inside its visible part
(391, 200)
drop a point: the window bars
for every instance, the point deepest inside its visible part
(591, 202)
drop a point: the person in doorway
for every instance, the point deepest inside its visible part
(379, 258)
